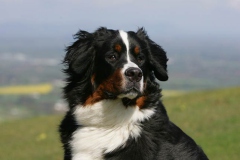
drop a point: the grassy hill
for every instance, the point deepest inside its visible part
(210, 117)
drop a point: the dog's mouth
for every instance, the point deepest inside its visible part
(130, 93)
(130, 90)
(133, 90)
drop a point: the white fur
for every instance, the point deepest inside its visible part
(129, 64)
(130, 95)
(124, 37)
(108, 125)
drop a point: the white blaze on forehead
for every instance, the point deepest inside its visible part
(124, 37)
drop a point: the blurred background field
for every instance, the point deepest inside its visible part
(26, 89)
(201, 39)
(210, 117)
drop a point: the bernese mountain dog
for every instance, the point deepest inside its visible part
(115, 110)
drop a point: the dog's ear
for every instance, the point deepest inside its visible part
(80, 55)
(157, 56)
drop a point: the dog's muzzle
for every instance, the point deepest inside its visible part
(133, 83)
(133, 74)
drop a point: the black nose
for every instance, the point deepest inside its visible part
(134, 74)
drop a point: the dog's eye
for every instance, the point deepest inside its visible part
(112, 57)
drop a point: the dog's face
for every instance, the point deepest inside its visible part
(120, 64)
(115, 63)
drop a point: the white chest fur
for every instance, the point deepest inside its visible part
(108, 125)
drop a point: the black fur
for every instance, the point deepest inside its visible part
(160, 139)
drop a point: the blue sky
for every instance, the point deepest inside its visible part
(45, 19)
(45, 27)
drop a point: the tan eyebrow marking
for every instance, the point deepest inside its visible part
(136, 50)
(118, 48)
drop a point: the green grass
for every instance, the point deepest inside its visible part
(30, 139)
(211, 118)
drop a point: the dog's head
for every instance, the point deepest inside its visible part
(110, 64)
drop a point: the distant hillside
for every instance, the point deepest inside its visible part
(210, 117)
(194, 62)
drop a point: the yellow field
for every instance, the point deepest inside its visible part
(26, 89)
(172, 93)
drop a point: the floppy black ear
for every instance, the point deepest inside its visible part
(157, 56)
(80, 55)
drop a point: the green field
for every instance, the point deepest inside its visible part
(210, 117)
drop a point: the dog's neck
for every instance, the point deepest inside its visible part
(110, 113)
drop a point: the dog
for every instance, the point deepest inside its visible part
(115, 110)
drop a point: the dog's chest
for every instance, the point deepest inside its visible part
(107, 126)
(92, 143)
